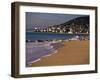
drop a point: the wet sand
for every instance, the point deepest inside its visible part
(72, 53)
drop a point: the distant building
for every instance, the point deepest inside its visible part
(70, 31)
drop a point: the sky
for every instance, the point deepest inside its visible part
(43, 20)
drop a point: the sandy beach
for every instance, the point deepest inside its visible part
(72, 53)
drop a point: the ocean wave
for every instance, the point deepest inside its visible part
(36, 51)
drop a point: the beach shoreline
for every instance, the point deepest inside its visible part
(72, 53)
(35, 51)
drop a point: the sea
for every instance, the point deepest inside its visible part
(51, 36)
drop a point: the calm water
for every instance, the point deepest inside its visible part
(50, 36)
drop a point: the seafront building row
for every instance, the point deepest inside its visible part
(65, 29)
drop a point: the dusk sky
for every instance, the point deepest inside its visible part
(43, 20)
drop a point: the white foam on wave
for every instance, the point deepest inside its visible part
(55, 51)
(30, 63)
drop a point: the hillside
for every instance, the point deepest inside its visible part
(76, 25)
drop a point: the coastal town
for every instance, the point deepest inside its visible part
(66, 29)
(77, 28)
(74, 26)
